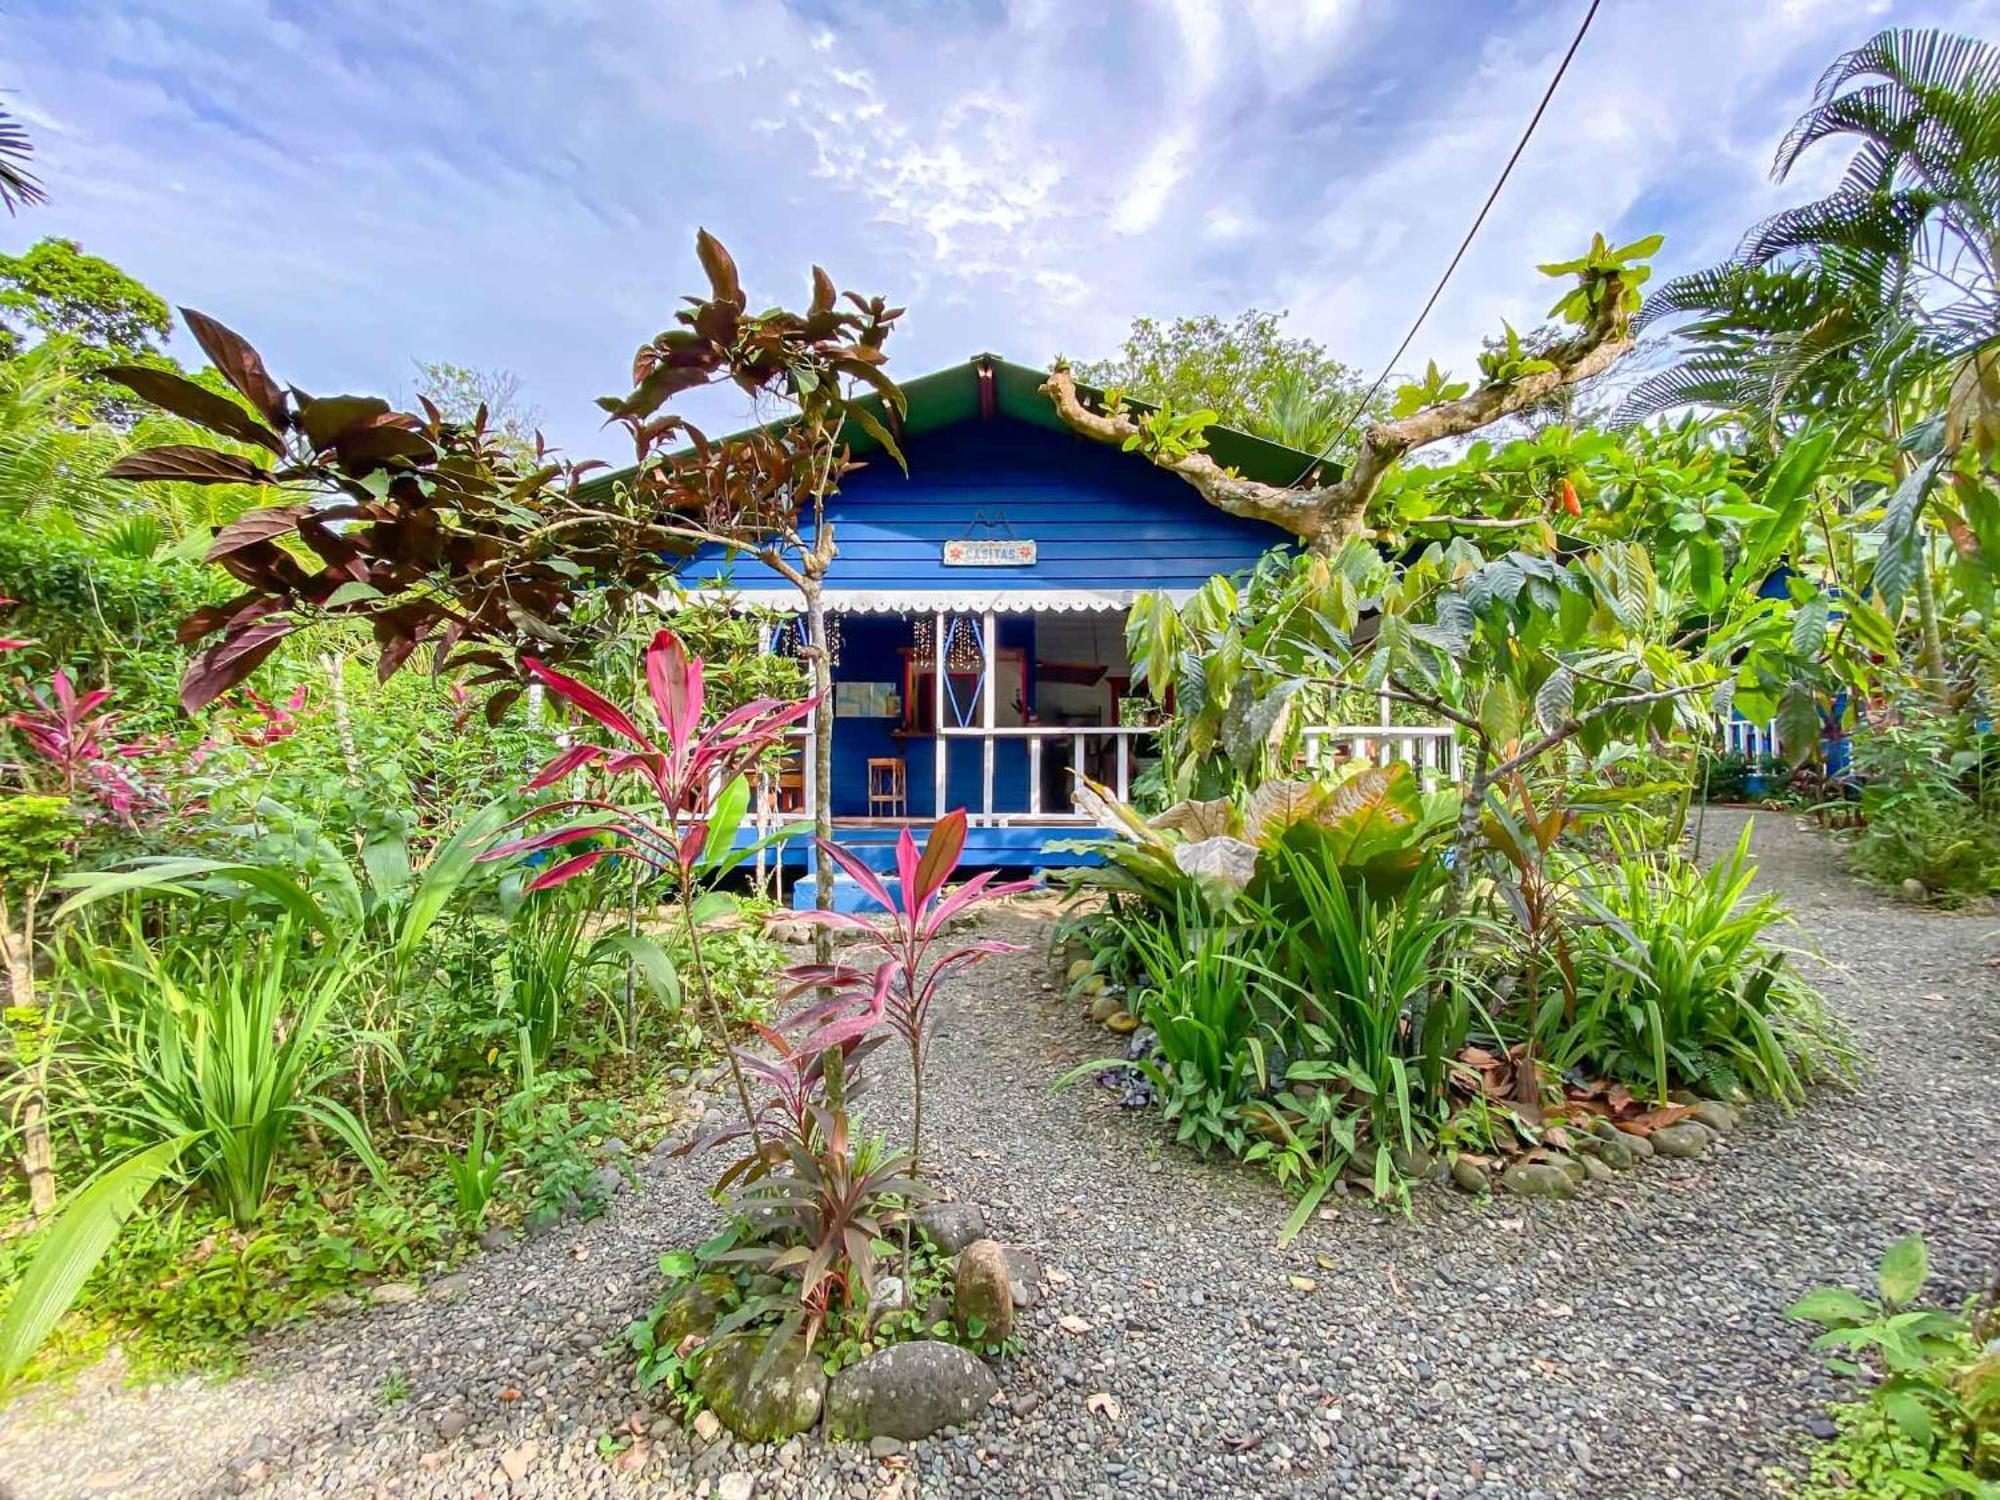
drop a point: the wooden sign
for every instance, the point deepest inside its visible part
(989, 552)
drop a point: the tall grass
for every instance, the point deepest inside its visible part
(1359, 972)
(1679, 984)
(229, 1046)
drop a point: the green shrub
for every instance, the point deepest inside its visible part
(1677, 984)
(233, 1045)
(1930, 805)
(1929, 1423)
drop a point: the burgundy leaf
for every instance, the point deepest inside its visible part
(182, 397)
(267, 523)
(187, 463)
(240, 364)
(222, 666)
(325, 417)
(720, 268)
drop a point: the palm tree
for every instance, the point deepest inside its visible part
(55, 448)
(18, 186)
(1855, 302)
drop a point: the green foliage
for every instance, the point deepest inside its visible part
(1436, 386)
(1245, 371)
(54, 290)
(1608, 279)
(476, 1173)
(1507, 360)
(1929, 1424)
(1168, 435)
(1930, 803)
(227, 1048)
(73, 1246)
(1678, 986)
(36, 834)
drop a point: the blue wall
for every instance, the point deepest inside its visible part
(1100, 518)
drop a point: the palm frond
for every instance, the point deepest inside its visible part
(1878, 226)
(19, 187)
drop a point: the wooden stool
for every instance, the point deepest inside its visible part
(888, 786)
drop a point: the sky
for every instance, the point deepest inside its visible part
(357, 184)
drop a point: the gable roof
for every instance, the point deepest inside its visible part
(952, 395)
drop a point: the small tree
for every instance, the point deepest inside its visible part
(1599, 306)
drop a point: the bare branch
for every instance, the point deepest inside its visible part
(1324, 516)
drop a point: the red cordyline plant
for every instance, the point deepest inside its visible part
(834, 1204)
(794, 1111)
(696, 774)
(911, 957)
(9, 642)
(76, 742)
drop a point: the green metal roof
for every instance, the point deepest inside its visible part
(946, 397)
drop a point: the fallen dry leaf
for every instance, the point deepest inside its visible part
(1326, 1263)
(510, 1393)
(632, 1460)
(1071, 1323)
(1302, 1283)
(1056, 1275)
(1103, 1404)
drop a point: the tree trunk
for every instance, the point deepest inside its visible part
(17, 953)
(822, 808)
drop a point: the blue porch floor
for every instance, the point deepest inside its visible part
(1020, 847)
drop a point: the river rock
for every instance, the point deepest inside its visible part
(1106, 1004)
(983, 1292)
(692, 1309)
(1718, 1117)
(908, 1391)
(1608, 1149)
(1024, 1276)
(952, 1226)
(1683, 1140)
(1538, 1179)
(1595, 1170)
(1413, 1162)
(1470, 1176)
(784, 1397)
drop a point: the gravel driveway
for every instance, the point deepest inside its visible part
(1629, 1344)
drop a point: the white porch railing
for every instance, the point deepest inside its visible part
(1756, 743)
(1078, 737)
(1430, 750)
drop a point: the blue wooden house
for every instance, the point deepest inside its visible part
(977, 610)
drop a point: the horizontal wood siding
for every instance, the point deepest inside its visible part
(1098, 517)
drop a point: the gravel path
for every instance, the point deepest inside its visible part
(1629, 1344)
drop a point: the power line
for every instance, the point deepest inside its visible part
(1463, 245)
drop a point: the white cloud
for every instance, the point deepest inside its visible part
(358, 183)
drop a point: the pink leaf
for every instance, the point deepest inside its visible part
(674, 679)
(570, 760)
(591, 702)
(565, 835)
(556, 874)
(859, 873)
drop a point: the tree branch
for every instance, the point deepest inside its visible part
(1323, 517)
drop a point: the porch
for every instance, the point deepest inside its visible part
(995, 708)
